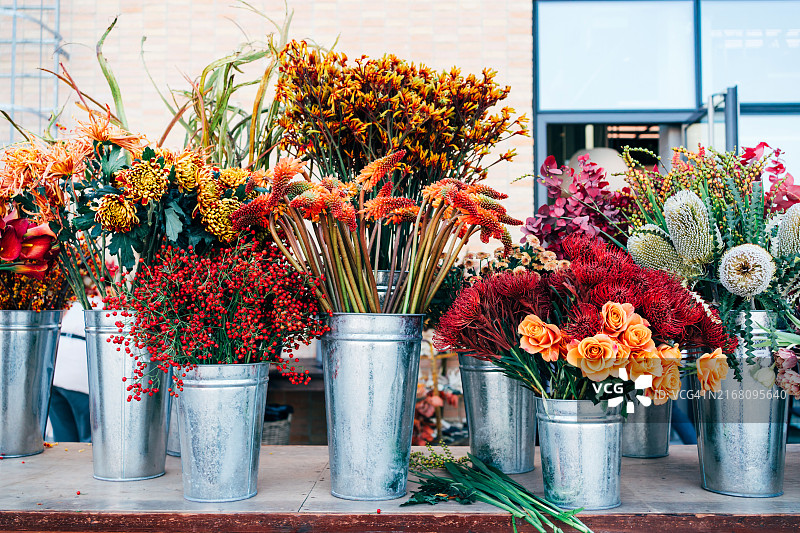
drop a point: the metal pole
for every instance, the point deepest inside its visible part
(711, 121)
(732, 119)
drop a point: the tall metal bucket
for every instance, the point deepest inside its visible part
(371, 368)
(581, 454)
(221, 413)
(173, 435)
(741, 431)
(501, 415)
(645, 431)
(28, 345)
(129, 439)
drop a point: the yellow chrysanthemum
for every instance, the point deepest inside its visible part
(217, 218)
(116, 214)
(231, 178)
(187, 165)
(144, 181)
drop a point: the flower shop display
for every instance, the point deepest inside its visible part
(216, 321)
(571, 336)
(33, 295)
(711, 222)
(443, 478)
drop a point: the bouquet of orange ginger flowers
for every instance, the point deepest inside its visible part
(588, 330)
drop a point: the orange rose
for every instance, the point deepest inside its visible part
(637, 336)
(669, 353)
(712, 368)
(644, 362)
(623, 356)
(595, 356)
(667, 385)
(540, 337)
(615, 317)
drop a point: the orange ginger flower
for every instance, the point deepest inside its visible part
(374, 172)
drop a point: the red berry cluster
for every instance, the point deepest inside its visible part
(234, 305)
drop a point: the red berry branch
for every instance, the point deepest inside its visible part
(243, 304)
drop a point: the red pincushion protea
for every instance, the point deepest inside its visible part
(601, 273)
(484, 317)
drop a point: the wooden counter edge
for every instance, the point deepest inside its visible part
(76, 521)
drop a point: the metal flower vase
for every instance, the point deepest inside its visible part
(28, 345)
(501, 416)
(129, 438)
(581, 453)
(371, 368)
(645, 431)
(221, 417)
(173, 434)
(741, 430)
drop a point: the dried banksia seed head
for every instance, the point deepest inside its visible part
(789, 232)
(651, 247)
(689, 227)
(746, 270)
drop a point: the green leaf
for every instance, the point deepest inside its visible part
(148, 154)
(121, 246)
(174, 226)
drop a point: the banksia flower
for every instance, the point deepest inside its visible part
(789, 232)
(373, 173)
(116, 214)
(651, 248)
(144, 181)
(689, 227)
(746, 270)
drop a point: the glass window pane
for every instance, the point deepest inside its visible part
(616, 55)
(779, 131)
(752, 44)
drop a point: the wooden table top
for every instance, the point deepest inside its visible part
(39, 493)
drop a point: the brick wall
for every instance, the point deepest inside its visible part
(185, 35)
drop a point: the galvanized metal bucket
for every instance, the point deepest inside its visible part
(741, 431)
(173, 435)
(371, 368)
(501, 415)
(129, 439)
(221, 412)
(645, 431)
(28, 345)
(581, 454)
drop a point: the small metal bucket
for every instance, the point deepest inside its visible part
(501, 415)
(581, 454)
(371, 368)
(221, 412)
(173, 436)
(28, 345)
(741, 431)
(129, 439)
(645, 431)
